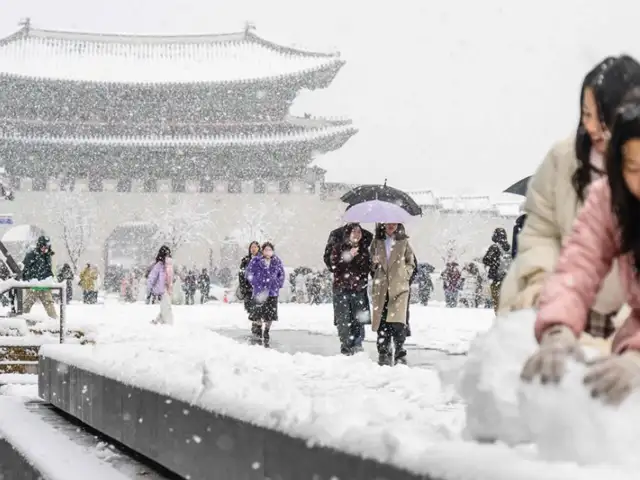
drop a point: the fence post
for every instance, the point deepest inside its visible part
(63, 311)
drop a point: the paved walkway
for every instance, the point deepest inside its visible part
(294, 341)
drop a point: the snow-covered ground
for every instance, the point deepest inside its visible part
(411, 417)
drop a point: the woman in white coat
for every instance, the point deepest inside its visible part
(556, 193)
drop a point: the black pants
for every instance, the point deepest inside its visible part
(189, 297)
(388, 332)
(350, 311)
(90, 297)
(203, 295)
(266, 311)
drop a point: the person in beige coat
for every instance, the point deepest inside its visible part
(556, 193)
(393, 263)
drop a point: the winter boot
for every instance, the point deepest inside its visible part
(266, 337)
(384, 359)
(401, 356)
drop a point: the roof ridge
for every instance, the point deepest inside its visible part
(246, 35)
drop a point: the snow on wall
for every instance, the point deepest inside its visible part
(50, 451)
(393, 415)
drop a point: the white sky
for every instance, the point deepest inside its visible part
(457, 96)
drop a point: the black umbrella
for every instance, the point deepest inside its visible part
(520, 187)
(368, 193)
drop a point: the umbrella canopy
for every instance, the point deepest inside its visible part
(377, 211)
(367, 193)
(520, 187)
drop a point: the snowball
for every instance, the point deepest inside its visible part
(491, 376)
(568, 425)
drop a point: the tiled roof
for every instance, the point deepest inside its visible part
(110, 58)
(345, 130)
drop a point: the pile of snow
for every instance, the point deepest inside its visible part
(390, 414)
(491, 377)
(566, 424)
(11, 326)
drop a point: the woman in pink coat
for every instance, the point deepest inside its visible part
(607, 228)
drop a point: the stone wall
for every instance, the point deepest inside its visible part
(298, 223)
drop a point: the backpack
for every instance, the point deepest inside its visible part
(505, 263)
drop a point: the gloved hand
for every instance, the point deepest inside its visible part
(558, 343)
(527, 298)
(613, 378)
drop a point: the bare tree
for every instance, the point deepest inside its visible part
(180, 224)
(76, 215)
(262, 223)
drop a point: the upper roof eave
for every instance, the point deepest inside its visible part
(248, 35)
(334, 64)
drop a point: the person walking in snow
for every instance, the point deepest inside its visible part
(517, 228)
(336, 237)
(245, 290)
(425, 284)
(451, 283)
(471, 286)
(498, 259)
(190, 287)
(204, 285)
(266, 274)
(393, 263)
(160, 284)
(556, 195)
(351, 265)
(66, 275)
(88, 283)
(37, 265)
(605, 231)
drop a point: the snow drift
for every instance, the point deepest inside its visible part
(567, 424)
(490, 379)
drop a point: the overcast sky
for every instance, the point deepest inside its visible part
(457, 96)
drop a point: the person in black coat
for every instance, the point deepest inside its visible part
(245, 290)
(336, 237)
(517, 228)
(351, 265)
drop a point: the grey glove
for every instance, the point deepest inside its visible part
(558, 343)
(613, 378)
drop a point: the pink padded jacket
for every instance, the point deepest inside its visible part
(584, 262)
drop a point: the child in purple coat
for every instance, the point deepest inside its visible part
(265, 272)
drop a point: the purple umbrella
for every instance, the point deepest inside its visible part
(376, 211)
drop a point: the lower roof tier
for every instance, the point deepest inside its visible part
(35, 136)
(297, 126)
(113, 160)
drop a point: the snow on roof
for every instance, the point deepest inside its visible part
(154, 59)
(20, 233)
(301, 136)
(468, 203)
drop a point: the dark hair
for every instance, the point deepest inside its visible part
(163, 253)
(610, 80)
(350, 227)
(381, 234)
(255, 242)
(268, 244)
(624, 204)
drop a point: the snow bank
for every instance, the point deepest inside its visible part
(50, 451)
(347, 403)
(491, 377)
(393, 415)
(568, 425)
